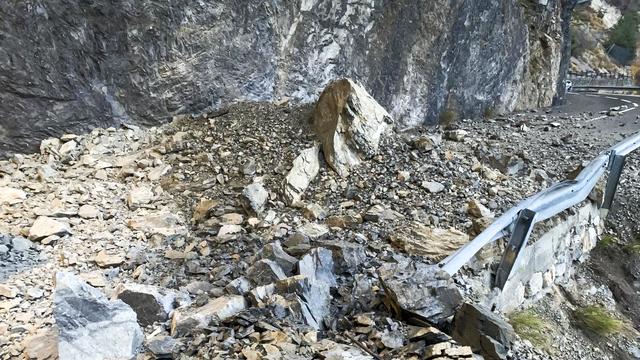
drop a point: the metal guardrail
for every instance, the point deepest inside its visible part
(519, 220)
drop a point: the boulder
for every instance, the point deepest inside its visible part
(349, 123)
(418, 291)
(45, 226)
(254, 197)
(219, 309)
(89, 325)
(264, 272)
(485, 332)
(305, 169)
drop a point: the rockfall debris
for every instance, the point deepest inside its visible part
(239, 237)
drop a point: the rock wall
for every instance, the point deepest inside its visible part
(548, 259)
(70, 66)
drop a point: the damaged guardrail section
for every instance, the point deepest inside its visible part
(518, 222)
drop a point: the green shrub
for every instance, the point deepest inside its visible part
(607, 240)
(489, 112)
(625, 32)
(448, 118)
(529, 326)
(596, 319)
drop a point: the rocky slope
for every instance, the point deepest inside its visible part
(74, 65)
(188, 224)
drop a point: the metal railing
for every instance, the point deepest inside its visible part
(519, 220)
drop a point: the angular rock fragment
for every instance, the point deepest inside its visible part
(380, 213)
(103, 259)
(88, 212)
(151, 303)
(222, 308)
(419, 291)
(42, 346)
(349, 123)
(203, 209)
(238, 286)
(434, 243)
(254, 197)
(305, 169)
(317, 265)
(314, 212)
(484, 331)
(139, 196)
(163, 347)
(163, 223)
(275, 253)
(264, 272)
(11, 196)
(432, 186)
(91, 326)
(45, 226)
(477, 210)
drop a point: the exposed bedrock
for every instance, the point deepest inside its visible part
(70, 66)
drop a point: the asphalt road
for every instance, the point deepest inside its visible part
(603, 128)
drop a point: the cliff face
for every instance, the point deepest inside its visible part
(69, 66)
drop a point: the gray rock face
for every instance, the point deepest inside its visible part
(76, 68)
(89, 325)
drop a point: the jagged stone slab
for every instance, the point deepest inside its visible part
(222, 308)
(89, 325)
(305, 169)
(434, 243)
(484, 331)
(419, 291)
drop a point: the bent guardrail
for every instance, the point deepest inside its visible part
(518, 221)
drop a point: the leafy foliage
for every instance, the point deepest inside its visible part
(625, 32)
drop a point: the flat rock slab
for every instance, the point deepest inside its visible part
(434, 243)
(89, 325)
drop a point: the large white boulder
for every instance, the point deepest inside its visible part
(349, 123)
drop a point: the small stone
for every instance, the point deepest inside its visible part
(163, 347)
(254, 197)
(11, 196)
(314, 212)
(305, 169)
(20, 244)
(35, 293)
(42, 346)
(88, 212)
(477, 210)
(232, 219)
(203, 209)
(45, 226)
(151, 303)
(8, 291)
(433, 186)
(229, 230)
(138, 196)
(106, 260)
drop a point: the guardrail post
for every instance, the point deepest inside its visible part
(615, 170)
(521, 231)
